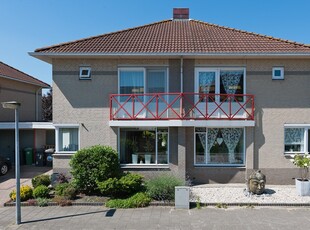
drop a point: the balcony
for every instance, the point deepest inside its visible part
(181, 106)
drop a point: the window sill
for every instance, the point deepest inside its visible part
(145, 166)
(219, 165)
(64, 153)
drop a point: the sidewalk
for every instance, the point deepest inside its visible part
(88, 217)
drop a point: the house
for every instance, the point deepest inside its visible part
(203, 101)
(27, 90)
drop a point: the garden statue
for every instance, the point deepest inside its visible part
(256, 182)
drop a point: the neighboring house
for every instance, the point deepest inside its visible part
(27, 90)
(203, 101)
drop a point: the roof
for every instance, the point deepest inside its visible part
(7, 71)
(178, 36)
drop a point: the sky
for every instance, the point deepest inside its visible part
(30, 24)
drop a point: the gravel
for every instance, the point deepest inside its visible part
(236, 193)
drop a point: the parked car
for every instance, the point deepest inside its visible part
(5, 165)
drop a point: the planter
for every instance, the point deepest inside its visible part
(302, 187)
(148, 158)
(134, 158)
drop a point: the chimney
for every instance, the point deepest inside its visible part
(180, 13)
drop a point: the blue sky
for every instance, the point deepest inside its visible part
(30, 24)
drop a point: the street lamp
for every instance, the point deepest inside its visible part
(15, 105)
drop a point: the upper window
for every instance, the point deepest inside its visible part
(142, 80)
(296, 139)
(143, 146)
(278, 73)
(85, 72)
(219, 146)
(68, 139)
(220, 81)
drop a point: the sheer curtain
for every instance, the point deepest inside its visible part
(212, 134)
(294, 136)
(231, 137)
(230, 80)
(156, 81)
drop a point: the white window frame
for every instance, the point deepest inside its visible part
(85, 77)
(57, 136)
(306, 128)
(281, 77)
(221, 165)
(217, 77)
(156, 149)
(144, 69)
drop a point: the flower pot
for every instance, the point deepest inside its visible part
(148, 158)
(134, 158)
(302, 187)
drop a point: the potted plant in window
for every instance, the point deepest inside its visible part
(303, 183)
(148, 147)
(134, 148)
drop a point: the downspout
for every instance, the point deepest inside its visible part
(37, 104)
(181, 73)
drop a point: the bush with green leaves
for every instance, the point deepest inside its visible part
(127, 185)
(138, 200)
(96, 163)
(66, 190)
(162, 187)
(41, 180)
(41, 192)
(42, 202)
(25, 193)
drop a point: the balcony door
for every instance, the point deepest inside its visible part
(147, 82)
(219, 82)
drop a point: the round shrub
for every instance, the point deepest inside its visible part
(41, 192)
(66, 190)
(97, 163)
(127, 185)
(41, 180)
(163, 187)
(25, 193)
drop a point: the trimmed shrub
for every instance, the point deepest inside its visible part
(66, 190)
(62, 201)
(25, 193)
(138, 200)
(97, 163)
(41, 180)
(163, 187)
(41, 192)
(127, 185)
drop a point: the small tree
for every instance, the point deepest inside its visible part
(47, 106)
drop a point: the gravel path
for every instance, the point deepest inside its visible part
(235, 193)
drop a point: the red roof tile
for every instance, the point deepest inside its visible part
(12, 73)
(179, 36)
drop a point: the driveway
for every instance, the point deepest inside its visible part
(7, 182)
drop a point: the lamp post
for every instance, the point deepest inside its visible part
(15, 105)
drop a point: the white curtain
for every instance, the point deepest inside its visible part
(212, 134)
(294, 136)
(230, 80)
(206, 80)
(231, 137)
(156, 81)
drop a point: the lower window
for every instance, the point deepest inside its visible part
(296, 139)
(143, 146)
(68, 139)
(219, 146)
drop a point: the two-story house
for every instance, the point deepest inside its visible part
(16, 85)
(200, 100)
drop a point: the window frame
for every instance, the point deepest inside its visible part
(217, 71)
(306, 138)
(57, 136)
(221, 165)
(274, 77)
(138, 165)
(85, 77)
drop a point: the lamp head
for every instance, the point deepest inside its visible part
(10, 105)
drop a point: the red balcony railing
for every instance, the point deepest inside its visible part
(181, 106)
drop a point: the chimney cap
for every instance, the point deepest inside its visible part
(180, 13)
